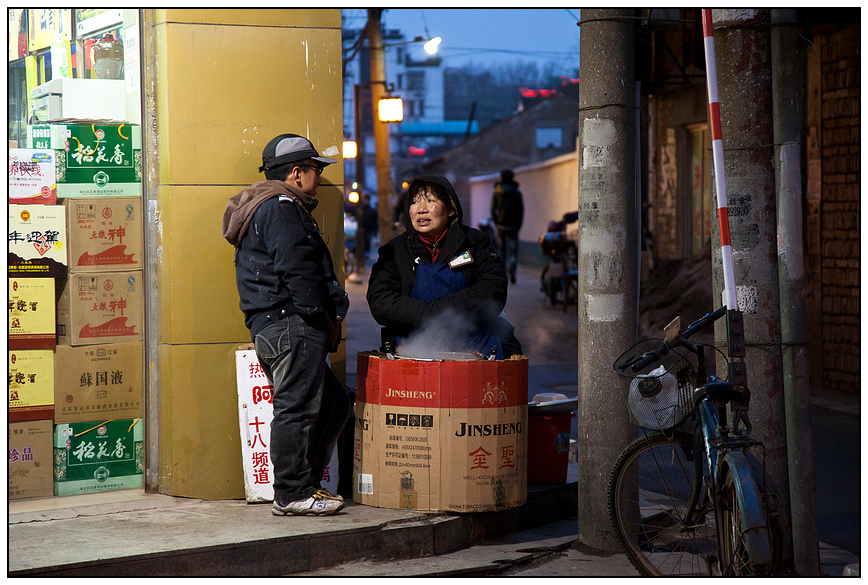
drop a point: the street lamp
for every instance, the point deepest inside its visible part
(391, 109)
(432, 45)
(350, 149)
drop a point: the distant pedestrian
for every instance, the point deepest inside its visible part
(507, 212)
(293, 306)
(370, 220)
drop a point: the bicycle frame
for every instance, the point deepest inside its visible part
(725, 451)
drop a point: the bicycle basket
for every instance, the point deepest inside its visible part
(660, 395)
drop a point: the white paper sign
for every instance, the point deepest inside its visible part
(255, 395)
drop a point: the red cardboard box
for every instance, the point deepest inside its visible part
(441, 434)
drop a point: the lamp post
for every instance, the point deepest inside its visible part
(384, 108)
(381, 129)
(389, 109)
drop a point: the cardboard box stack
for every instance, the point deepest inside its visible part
(76, 311)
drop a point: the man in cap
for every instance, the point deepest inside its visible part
(293, 306)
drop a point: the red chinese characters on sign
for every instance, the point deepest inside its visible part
(259, 459)
(257, 436)
(264, 392)
(110, 306)
(261, 393)
(480, 458)
(110, 234)
(507, 454)
(256, 370)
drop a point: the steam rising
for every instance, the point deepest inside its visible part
(450, 332)
(446, 332)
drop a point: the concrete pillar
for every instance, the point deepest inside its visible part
(791, 274)
(203, 141)
(607, 258)
(743, 48)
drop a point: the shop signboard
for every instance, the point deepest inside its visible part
(17, 33)
(255, 394)
(32, 176)
(88, 20)
(47, 22)
(93, 160)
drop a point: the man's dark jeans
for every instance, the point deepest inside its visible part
(310, 404)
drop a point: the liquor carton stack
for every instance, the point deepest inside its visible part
(76, 311)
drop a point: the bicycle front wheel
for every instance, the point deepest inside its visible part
(660, 510)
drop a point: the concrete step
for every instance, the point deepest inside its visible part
(480, 560)
(165, 536)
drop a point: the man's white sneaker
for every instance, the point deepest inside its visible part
(316, 505)
(327, 494)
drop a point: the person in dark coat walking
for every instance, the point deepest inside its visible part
(507, 212)
(441, 274)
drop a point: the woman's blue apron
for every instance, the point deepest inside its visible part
(435, 281)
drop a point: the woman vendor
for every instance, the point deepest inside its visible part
(440, 267)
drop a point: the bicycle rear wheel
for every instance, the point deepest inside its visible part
(660, 510)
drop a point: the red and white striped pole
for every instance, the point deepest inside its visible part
(717, 150)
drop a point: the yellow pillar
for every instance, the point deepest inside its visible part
(219, 85)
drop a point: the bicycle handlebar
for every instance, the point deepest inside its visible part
(649, 357)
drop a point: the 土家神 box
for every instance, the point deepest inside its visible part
(255, 413)
(100, 307)
(98, 382)
(32, 176)
(98, 456)
(447, 435)
(30, 459)
(37, 241)
(93, 160)
(104, 235)
(31, 384)
(31, 313)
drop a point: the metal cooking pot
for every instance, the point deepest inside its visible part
(440, 355)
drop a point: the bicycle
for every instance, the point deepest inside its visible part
(689, 496)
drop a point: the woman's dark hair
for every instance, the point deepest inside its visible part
(281, 172)
(438, 190)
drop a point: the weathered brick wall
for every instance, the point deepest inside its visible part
(839, 215)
